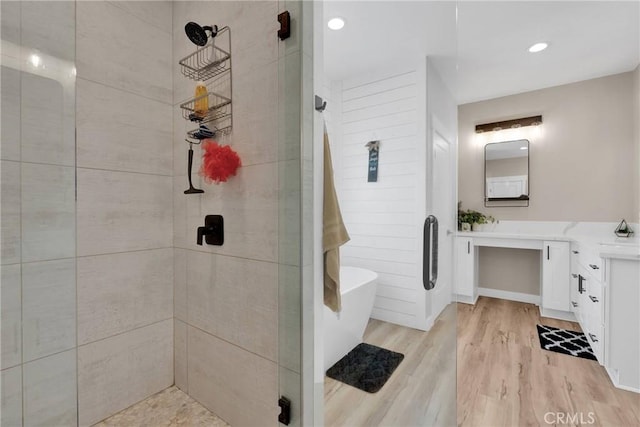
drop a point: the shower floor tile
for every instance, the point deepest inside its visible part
(169, 408)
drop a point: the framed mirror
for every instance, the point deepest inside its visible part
(506, 173)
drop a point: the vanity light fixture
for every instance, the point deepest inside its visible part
(509, 124)
(35, 60)
(335, 23)
(538, 47)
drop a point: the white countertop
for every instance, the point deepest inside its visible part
(599, 237)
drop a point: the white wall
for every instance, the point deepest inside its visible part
(578, 167)
(380, 217)
(95, 235)
(582, 163)
(124, 223)
(232, 300)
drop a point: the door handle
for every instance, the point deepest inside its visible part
(430, 253)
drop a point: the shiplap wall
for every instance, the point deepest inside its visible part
(380, 217)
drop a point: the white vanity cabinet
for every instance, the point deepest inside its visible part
(575, 285)
(556, 288)
(555, 285)
(622, 322)
(465, 270)
(589, 296)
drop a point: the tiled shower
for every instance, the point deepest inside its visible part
(106, 297)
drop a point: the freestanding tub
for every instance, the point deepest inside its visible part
(344, 330)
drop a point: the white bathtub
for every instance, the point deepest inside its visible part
(344, 330)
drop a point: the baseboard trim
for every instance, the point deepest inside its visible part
(511, 296)
(466, 299)
(616, 383)
(560, 315)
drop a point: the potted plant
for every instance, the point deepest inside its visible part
(473, 220)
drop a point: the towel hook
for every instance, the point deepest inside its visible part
(320, 104)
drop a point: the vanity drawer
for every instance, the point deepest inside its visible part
(591, 262)
(594, 300)
(595, 337)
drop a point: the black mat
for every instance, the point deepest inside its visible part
(366, 367)
(564, 341)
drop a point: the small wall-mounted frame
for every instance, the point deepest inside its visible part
(506, 174)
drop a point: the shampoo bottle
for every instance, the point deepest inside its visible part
(201, 106)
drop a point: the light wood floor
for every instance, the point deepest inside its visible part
(420, 392)
(504, 378)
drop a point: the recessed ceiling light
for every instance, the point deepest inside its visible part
(538, 47)
(335, 23)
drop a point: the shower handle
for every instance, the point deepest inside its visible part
(430, 253)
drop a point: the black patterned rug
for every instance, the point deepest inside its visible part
(564, 341)
(366, 367)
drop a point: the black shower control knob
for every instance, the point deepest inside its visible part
(212, 232)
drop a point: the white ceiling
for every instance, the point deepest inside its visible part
(489, 46)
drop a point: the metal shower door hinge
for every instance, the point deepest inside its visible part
(285, 410)
(285, 25)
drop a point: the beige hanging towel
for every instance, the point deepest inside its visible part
(334, 234)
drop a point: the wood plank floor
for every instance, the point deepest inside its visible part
(504, 378)
(420, 392)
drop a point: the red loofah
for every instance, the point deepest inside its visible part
(218, 162)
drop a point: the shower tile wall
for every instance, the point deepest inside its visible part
(124, 221)
(38, 284)
(226, 303)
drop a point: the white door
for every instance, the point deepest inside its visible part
(442, 188)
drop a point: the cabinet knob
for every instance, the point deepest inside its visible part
(575, 252)
(595, 267)
(593, 337)
(573, 303)
(574, 275)
(592, 298)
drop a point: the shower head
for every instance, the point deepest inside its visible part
(198, 34)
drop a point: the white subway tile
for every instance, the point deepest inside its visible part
(121, 131)
(139, 58)
(10, 118)
(124, 291)
(235, 299)
(48, 212)
(50, 391)
(10, 212)
(238, 386)
(11, 392)
(121, 211)
(11, 315)
(47, 121)
(180, 355)
(119, 371)
(49, 307)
